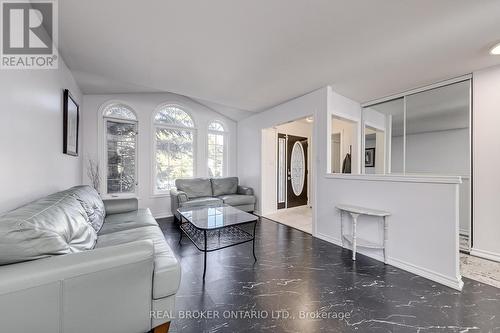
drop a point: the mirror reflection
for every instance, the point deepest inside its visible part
(384, 129)
(422, 133)
(374, 150)
(343, 138)
(437, 131)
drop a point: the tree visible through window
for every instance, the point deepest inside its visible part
(216, 149)
(121, 144)
(174, 147)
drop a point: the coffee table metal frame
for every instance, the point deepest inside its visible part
(213, 239)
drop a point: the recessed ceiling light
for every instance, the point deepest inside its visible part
(309, 119)
(495, 50)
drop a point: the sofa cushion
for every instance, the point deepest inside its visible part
(208, 201)
(92, 203)
(56, 224)
(130, 220)
(118, 206)
(195, 188)
(238, 199)
(167, 270)
(222, 186)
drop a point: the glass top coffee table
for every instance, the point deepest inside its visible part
(217, 227)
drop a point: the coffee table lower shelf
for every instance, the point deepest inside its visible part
(216, 239)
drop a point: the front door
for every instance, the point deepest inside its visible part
(296, 171)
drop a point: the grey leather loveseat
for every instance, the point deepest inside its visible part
(197, 192)
(73, 263)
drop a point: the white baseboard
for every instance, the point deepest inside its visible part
(328, 239)
(270, 212)
(455, 283)
(485, 254)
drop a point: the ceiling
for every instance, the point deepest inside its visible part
(239, 57)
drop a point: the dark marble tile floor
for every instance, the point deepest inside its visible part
(303, 284)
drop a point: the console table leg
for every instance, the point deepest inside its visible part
(386, 236)
(254, 226)
(354, 222)
(205, 255)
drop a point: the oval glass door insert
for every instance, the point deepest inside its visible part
(297, 168)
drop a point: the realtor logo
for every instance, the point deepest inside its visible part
(29, 33)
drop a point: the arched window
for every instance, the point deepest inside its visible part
(174, 151)
(216, 149)
(216, 126)
(119, 111)
(173, 115)
(120, 126)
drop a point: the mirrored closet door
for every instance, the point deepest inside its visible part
(424, 133)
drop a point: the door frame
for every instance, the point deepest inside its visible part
(268, 189)
(306, 175)
(284, 204)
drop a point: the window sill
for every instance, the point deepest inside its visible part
(119, 196)
(160, 195)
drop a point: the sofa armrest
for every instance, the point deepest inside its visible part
(245, 190)
(117, 206)
(60, 293)
(180, 195)
(176, 199)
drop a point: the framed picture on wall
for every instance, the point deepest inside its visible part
(370, 157)
(71, 121)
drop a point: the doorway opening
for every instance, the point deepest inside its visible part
(287, 173)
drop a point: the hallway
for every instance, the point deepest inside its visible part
(297, 217)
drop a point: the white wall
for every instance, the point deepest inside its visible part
(440, 152)
(32, 164)
(268, 171)
(144, 106)
(297, 128)
(423, 236)
(486, 158)
(250, 138)
(465, 206)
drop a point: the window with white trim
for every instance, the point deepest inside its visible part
(216, 150)
(120, 126)
(174, 148)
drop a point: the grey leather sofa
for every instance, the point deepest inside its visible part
(198, 192)
(73, 263)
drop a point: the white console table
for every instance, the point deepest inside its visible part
(355, 212)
